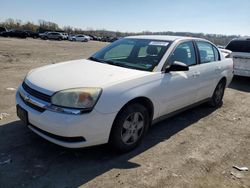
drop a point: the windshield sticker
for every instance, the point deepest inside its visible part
(158, 43)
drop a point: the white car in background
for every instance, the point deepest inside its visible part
(65, 36)
(116, 94)
(240, 48)
(79, 38)
(226, 53)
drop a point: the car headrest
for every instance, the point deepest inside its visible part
(203, 54)
(152, 50)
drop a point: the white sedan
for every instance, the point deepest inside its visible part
(116, 94)
(79, 38)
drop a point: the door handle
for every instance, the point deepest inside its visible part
(218, 68)
(196, 74)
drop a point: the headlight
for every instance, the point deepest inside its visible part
(79, 98)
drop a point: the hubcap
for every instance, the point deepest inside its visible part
(132, 128)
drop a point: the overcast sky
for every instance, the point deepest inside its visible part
(207, 16)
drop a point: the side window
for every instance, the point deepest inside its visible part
(216, 54)
(184, 53)
(121, 51)
(206, 52)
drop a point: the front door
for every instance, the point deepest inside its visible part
(179, 89)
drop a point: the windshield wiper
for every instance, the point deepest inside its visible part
(107, 61)
(114, 63)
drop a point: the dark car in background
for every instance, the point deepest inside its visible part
(52, 35)
(109, 39)
(15, 33)
(32, 34)
(95, 38)
(3, 29)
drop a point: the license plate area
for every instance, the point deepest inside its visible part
(22, 114)
(242, 63)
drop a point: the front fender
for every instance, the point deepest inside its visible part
(115, 97)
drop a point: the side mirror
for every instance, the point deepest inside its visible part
(177, 66)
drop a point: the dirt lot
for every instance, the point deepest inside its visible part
(194, 149)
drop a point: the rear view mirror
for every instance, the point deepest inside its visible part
(177, 66)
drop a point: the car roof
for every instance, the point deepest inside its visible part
(163, 37)
(241, 39)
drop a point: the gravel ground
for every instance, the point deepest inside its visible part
(194, 149)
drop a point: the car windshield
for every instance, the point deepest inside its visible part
(141, 54)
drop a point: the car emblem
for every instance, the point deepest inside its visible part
(26, 97)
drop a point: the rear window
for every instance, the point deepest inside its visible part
(239, 46)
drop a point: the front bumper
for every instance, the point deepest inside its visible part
(94, 127)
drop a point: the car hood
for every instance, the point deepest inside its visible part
(79, 73)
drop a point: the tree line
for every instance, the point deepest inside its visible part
(44, 26)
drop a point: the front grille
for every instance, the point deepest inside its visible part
(60, 138)
(39, 109)
(35, 93)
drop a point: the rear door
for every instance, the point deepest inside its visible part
(210, 68)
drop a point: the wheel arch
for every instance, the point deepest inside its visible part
(223, 79)
(146, 102)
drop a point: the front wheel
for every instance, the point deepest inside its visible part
(218, 94)
(129, 127)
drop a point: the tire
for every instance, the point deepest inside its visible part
(59, 38)
(74, 40)
(45, 38)
(218, 94)
(129, 128)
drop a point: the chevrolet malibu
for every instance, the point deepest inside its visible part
(115, 95)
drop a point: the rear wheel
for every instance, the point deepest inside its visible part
(129, 128)
(218, 94)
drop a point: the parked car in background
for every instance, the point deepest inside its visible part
(65, 36)
(52, 35)
(116, 94)
(95, 38)
(105, 39)
(78, 38)
(32, 34)
(240, 48)
(109, 39)
(2, 29)
(226, 53)
(14, 33)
